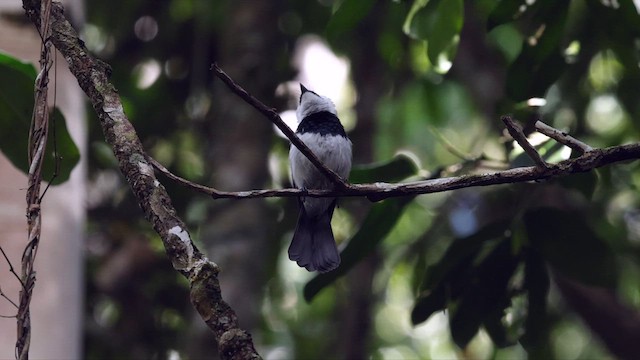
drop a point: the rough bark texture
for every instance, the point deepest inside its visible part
(92, 76)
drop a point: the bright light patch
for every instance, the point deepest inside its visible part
(289, 118)
(605, 115)
(146, 28)
(146, 73)
(574, 48)
(97, 40)
(536, 102)
(323, 72)
(611, 3)
(197, 105)
(444, 63)
(173, 355)
(320, 69)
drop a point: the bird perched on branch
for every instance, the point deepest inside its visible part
(313, 246)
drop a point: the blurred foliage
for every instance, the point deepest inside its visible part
(465, 274)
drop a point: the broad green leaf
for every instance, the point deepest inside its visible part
(567, 242)
(381, 219)
(462, 250)
(527, 79)
(399, 168)
(540, 62)
(16, 106)
(23, 67)
(439, 23)
(452, 273)
(486, 295)
(495, 327)
(427, 304)
(446, 291)
(66, 150)
(347, 16)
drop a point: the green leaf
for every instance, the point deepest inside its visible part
(66, 150)
(536, 282)
(451, 275)
(381, 219)
(495, 327)
(527, 79)
(567, 242)
(23, 67)
(504, 11)
(16, 106)
(427, 304)
(347, 16)
(399, 168)
(486, 295)
(439, 23)
(540, 62)
(462, 250)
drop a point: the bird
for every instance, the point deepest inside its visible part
(313, 246)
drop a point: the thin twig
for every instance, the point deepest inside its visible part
(518, 135)
(7, 298)
(562, 137)
(272, 115)
(11, 270)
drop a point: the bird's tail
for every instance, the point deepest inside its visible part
(313, 246)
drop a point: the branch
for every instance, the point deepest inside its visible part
(591, 160)
(272, 115)
(518, 135)
(92, 75)
(562, 137)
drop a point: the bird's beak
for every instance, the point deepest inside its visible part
(303, 89)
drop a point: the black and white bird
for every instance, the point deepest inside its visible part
(313, 246)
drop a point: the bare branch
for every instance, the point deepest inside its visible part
(11, 269)
(272, 115)
(379, 191)
(518, 135)
(562, 137)
(8, 299)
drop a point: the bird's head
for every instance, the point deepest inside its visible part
(311, 103)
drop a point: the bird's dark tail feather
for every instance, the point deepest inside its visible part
(313, 246)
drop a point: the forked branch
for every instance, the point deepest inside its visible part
(589, 160)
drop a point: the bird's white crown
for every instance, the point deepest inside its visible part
(311, 103)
